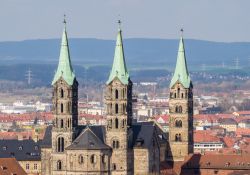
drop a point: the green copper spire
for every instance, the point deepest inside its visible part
(64, 68)
(181, 71)
(119, 68)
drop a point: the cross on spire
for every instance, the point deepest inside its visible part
(119, 24)
(182, 32)
(64, 19)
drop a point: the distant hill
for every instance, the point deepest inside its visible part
(140, 53)
(93, 57)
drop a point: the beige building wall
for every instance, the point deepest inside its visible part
(46, 161)
(81, 162)
(31, 167)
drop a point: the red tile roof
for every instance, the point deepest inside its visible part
(9, 166)
(205, 136)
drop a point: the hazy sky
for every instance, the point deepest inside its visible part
(215, 20)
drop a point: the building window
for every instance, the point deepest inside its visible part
(178, 93)
(62, 93)
(93, 159)
(60, 144)
(59, 165)
(178, 137)
(110, 123)
(5, 148)
(81, 159)
(27, 166)
(178, 123)
(103, 159)
(116, 123)
(116, 94)
(61, 123)
(114, 166)
(61, 108)
(20, 148)
(178, 109)
(116, 108)
(35, 166)
(116, 144)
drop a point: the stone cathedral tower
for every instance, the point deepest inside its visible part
(181, 109)
(118, 99)
(65, 97)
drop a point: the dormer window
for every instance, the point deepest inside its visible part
(20, 148)
(4, 148)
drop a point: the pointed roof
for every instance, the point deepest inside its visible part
(181, 71)
(87, 140)
(119, 68)
(64, 68)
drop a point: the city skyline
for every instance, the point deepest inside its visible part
(204, 20)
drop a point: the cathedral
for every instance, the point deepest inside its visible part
(122, 146)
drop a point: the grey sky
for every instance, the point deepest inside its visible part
(215, 20)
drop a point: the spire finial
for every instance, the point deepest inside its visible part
(64, 19)
(119, 23)
(182, 32)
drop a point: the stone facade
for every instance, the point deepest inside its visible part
(119, 113)
(180, 109)
(69, 148)
(181, 121)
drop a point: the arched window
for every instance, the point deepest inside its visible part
(62, 93)
(116, 123)
(81, 159)
(60, 144)
(123, 123)
(178, 93)
(59, 165)
(110, 123)
(93, 159)
(178, 137)
(103, 159)
(114, 166)
(178, 123)
(178, 109)
(68, 123)
(116, 108)
(116, 94)
(115, 144)
(61, 107)
(61, 123)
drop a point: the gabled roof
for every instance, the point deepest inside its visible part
(87, 140)
(64, 68)
(119, 68)
(181, 71)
